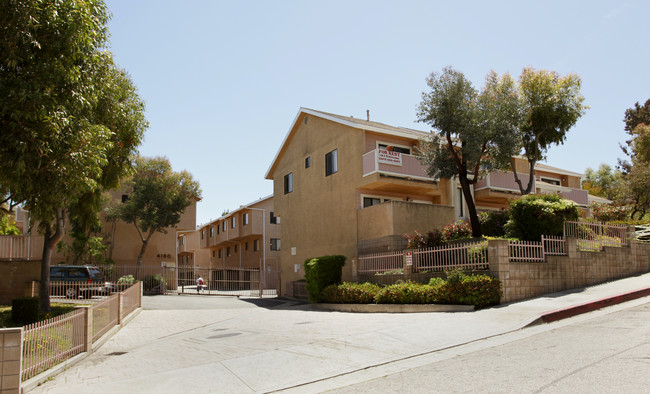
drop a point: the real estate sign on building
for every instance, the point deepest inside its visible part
(389, 157)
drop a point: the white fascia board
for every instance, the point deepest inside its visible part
(547, 168)
(284, 141)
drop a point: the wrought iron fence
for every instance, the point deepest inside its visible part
(470, 256)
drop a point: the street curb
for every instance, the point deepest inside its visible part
(575, 310)
(393, 308)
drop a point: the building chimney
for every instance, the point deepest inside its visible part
(368, 115)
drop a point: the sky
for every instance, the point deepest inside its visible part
(223, 81)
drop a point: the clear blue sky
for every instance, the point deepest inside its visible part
(224, 80)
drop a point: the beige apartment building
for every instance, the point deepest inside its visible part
(350, 186)
(248, 237)
(122, 239)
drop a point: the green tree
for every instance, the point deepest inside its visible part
(8, 224)
(605, 182)
(636, 171)
(475, 132)
(157, 197)
(639, 114)
(55, 144)
(549, 106)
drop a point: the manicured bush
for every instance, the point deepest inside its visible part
(493, 223)
(477, 290)
(418, 240)
(350, 293)
(25, 310)
(321, 272)
(535, 215)
(151, 283)
(456, 231)
(407, 293)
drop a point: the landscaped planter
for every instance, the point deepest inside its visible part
(393, 308)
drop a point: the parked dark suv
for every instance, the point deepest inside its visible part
(77, 280)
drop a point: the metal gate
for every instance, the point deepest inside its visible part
(155, 280)
(246, 282)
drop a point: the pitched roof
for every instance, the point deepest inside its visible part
(350, 121)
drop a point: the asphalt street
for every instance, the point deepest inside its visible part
(604, 354)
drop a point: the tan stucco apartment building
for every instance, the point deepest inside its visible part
(350, 186)
(248, 237)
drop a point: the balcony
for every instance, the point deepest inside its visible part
(396, 172)
(496, 187)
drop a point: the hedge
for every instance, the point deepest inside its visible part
(477, 290)
(537, 214)
(321, 272)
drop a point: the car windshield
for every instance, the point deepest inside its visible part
(94, 272)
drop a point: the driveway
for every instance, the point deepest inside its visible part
(221, 344)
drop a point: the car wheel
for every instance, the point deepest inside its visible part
(71, 292)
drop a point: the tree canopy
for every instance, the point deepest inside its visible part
(636, 171)
(475, 132)
(550, 105)
(69, 119)
(605, 182)
(157, 197)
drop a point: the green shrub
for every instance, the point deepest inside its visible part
(126, 280)
(350, 293)
(456, 231)
(153, 283)
(391, 272)
(477, 290)
(493, 223)
(407, 293)
(437, 282)
(610, 213)
(321, 272)
(535, 215)
(25, 310)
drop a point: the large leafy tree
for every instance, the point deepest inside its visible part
(475, 132)
(550, 105)
(157, 197)
(56, 141)
(636, 171)
(604, 182)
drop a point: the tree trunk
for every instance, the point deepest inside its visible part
(49, 242)
(145, 242)
(471, 207)
(531, 176)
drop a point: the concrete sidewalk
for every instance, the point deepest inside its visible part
(208, 344)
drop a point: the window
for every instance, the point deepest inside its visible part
(461, 201)
(552, 181)
(246, 246)
(125, 198)
(332, 162)
(232, 222)
(308, 162)
(223, 225)
(245, 220)
(213, 253)
(228, 251)
(275, 244)
(201, 234)
(370, 201)
(235, 248)
(219, 253)
(218, 228)
(256, 245)
(274, 219)
(288, 183)
(211, 232)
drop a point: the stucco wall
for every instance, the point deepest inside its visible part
(319, 216)
(15, 277)
(399, 218)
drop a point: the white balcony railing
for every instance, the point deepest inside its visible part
(394, 163)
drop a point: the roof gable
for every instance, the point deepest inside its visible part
(349, 121)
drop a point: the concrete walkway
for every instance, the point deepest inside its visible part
(227, 345)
